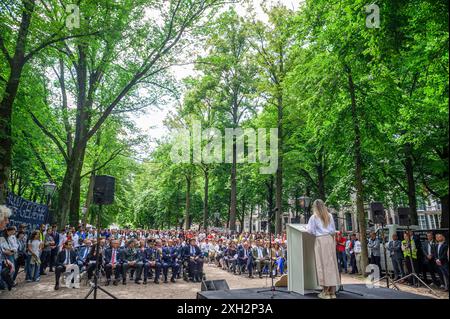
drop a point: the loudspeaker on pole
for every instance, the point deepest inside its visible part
(104, 187)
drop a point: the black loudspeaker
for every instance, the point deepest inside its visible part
(104, 190)
(403, 216)
(378, 214)
(209, 285)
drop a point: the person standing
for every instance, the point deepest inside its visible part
(351, 251)
(373, 246)
(442, 259)
(429, 260)
(410, 253)
(395, 252)
(357, 251)
(35, 247)
(322, 226)
(340, 251)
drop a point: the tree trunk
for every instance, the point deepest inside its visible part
(321, 176)
(205, 202)
(89, 196)
(444, 208)
(358, 175)
(251, 218)
(233, 199)
(6, 104)
(409, 170)
(188, 203)
(279, 173)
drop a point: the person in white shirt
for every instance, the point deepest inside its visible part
(321, 225)
(357, 251)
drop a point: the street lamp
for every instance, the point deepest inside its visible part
(49, 190)
(305, 201)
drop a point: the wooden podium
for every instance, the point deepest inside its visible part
(302, 277)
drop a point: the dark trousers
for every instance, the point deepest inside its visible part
(137, 267)
(172, 265)
(376, 260)
(53, 254)
(90, 269)
(58, 271)
(410, 263)
(148, 266)
(353, 263)
(109, 270)
(397, 264)
(250, 266)
(443, 274)
(45, 260)
(242, 263)
(195, 268)
(342, 260)
(429, 265)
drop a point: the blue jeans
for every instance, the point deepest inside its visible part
(35, 271)
(27, 267)
(342, 260)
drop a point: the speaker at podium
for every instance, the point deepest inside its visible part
(302, 276)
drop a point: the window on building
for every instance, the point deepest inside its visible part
(348, 222)
(432, 221)
(422, 221)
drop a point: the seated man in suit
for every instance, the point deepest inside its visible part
(243, 258)
(113, 262)
(131, 261)
(230, 257)
(169, 256)
(151, 260)
(91, 260)
(260, 257)
(82, 254)
(195, 260)
(66, 256)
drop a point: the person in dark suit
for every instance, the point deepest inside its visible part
(429, 259)
(54, 248)
(230, 258)
(243, 258)
(66, 256)
(195, 260)
(442, 259)
(130, 261)
(260, 257)
(113, 262)
(169, 255)
(152, 261)
(82, 255)
(91, 259)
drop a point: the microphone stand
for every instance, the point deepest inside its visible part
(272, 288)
(97, 263)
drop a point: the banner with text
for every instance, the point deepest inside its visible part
(26, 212)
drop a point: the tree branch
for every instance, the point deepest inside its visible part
(51, 136)
(111, 157)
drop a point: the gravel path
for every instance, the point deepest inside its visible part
(180, 289)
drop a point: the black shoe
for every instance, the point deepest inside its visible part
(124, 282)
(166, 281)
(137, 282)
(145, 282)
(156, 282)
(172, 279)
(115, 283)
(107, 282)
(56, 286)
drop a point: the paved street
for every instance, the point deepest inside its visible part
(181, 289)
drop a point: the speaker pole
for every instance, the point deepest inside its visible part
(97, 260)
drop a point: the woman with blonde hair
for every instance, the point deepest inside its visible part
(321, 225)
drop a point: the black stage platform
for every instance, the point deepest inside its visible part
(367, 293)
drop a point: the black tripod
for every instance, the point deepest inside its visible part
(272, 288)
(97, 263)
(385, 262)
(413, 271)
